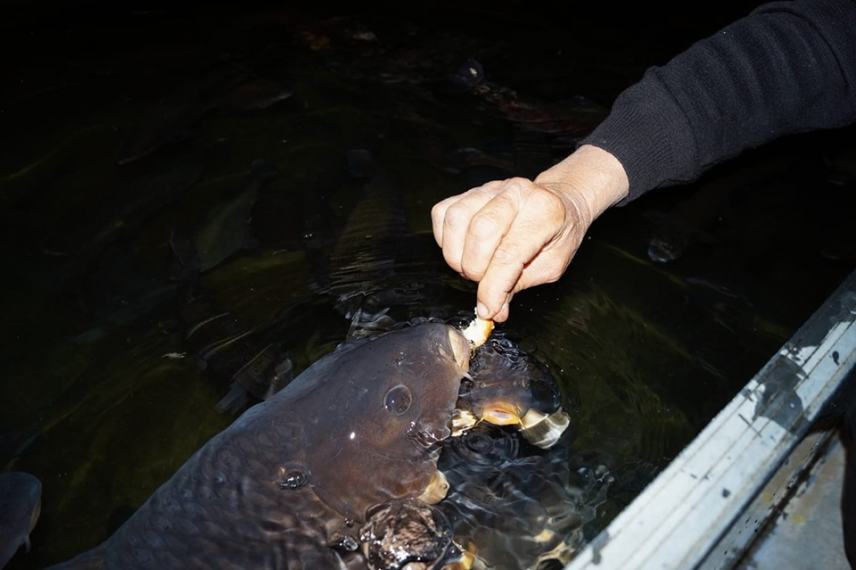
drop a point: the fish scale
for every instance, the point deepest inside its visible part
(228, 504)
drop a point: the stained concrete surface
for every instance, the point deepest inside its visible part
(807, 533)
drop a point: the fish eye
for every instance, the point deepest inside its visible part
(398, 399)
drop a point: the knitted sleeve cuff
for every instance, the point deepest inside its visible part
(648, 133)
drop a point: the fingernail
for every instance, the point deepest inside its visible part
(482, 310)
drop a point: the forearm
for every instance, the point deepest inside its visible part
(787, 67)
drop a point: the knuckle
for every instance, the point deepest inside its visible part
(517, 184)
(551, 205)
(548, 199)
(482, 226)
(487, 189)
(506, 255)
(456, 215)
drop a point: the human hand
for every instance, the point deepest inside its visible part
(513, 234)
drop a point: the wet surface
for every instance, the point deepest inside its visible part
(300, 471)
(196, 206)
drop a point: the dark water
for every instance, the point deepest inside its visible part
(269, 172)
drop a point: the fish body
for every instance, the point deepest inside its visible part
(289, 483)
(20, 505)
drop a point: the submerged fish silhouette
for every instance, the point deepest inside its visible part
(20, 505)
(174, 119)
(226, 229)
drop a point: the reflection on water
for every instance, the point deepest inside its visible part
(189, 222)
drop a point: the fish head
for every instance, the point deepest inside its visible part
(414, 390)
(390, 404)
(503, 377)
(506, 387)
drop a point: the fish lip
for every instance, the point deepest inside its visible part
(460, 349)
(428, 435)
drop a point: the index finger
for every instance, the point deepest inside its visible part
(522, 243)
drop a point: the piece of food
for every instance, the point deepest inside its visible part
(478, 331)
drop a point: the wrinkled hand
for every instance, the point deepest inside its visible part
(509, 235)
(513, 234)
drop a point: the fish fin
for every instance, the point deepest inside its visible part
(544, 430)
(283, 375)
(234, 400)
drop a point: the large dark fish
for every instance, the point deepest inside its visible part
(20, 505)
(290, 483)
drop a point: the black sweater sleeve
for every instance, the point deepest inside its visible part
(785, 68)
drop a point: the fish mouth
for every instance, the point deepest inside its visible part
(429, 435)
(460, 348)
(501, 413)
